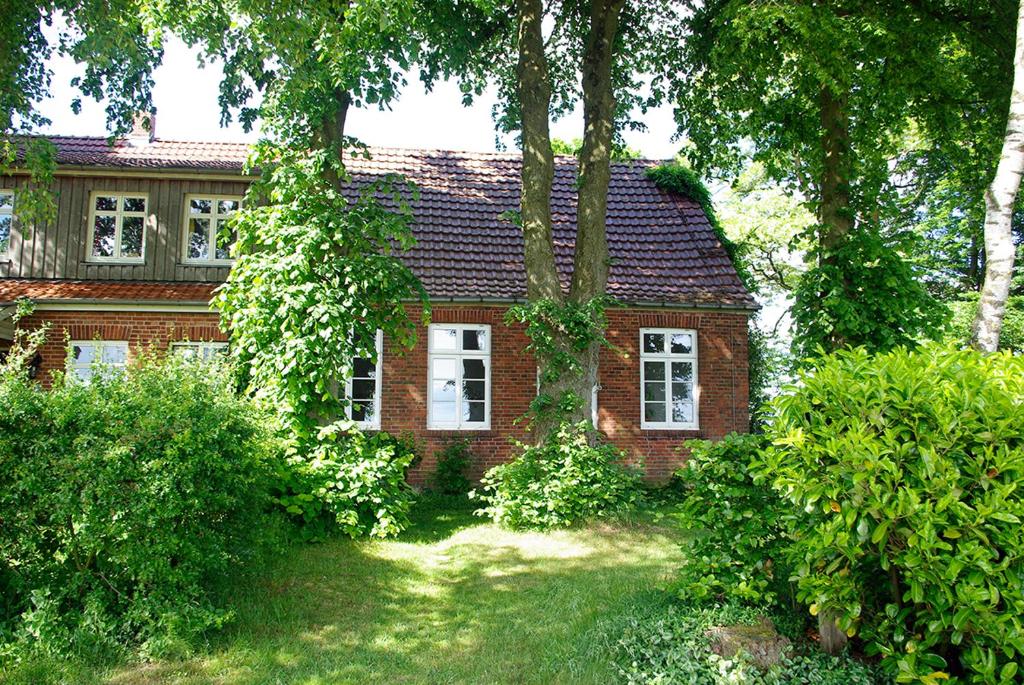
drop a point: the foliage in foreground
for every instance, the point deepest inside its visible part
(739, 538)
(351, 481)
(666, 644)
(910, 468)
(124, 505)
(562, 481)
(452, 463)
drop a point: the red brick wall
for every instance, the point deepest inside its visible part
(722, 376)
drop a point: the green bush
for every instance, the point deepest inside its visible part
(349, 481)
(562, 481)
(667, 644)
(910, 468)
(452, 462)
(124, 506)
(738, 545)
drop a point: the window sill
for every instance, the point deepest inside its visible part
(115, 262)
(223, 265)
(455, 430)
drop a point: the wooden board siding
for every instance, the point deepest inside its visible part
(60, 249)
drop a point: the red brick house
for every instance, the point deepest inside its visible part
(131, 261)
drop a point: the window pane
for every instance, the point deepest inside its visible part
(444, 339)
(443, 368)
(443, 412)
(5, 233)
(680, 391)
(654, 412)
(84, 354)
(473, 390)
(363, 368)
(362, 411)
(106, 203)
(363, 390)
(212, 351)
(654, 371)
(135, 204)
(654, 342)
(473, 368)
(200, 206)
(103, 237)
(682, 343)
(443, 391)
(227, 206)
(682, 372)
(473, 412)
(224, 242)
(6, 200)
(186, 351)
(131, 236)
(682, 411)
(474, 339)
(113, 354)
(198, 238)
(654, 392)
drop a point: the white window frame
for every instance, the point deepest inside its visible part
(215, 219)
(119, 215)
(667, 358)
(373, 424)
(459, 355)
(201, 347)
(73, 367)
(7, 211)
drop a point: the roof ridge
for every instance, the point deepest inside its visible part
(407, 151)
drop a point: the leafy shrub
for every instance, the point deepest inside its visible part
(738, 548)
(667, 643)
(124, 504)
(910, 466)
(351, 481)
(452, 463)
(562, 481)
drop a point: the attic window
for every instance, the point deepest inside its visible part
(207, 241)
(117, 227)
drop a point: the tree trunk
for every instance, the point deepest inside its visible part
(538, 160)
(835, 217)
(999, 200)
(590, 261)
(835, 214)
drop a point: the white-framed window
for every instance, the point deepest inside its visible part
(459, 376)
(200, 351)
(364, 387)
(89, 357)
(669, 394)
(117, 227)
(6, 220)
(594, 389)
(204, 219)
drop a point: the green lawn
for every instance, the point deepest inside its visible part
(453, 600)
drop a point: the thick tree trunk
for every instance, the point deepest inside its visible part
(835, 214)
(590, 261)
(332, 134)
(835, 217)
(999, 200)
(538, 160)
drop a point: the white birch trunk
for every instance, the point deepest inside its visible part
(999, 201)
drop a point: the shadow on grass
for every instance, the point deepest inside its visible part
(453, 600)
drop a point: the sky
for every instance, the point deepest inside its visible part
(185, 97)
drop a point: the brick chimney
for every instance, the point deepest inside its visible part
(143, 129)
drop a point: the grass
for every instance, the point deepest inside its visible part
(453, 600)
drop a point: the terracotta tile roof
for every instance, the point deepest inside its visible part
(662, 247)
(109, 291)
